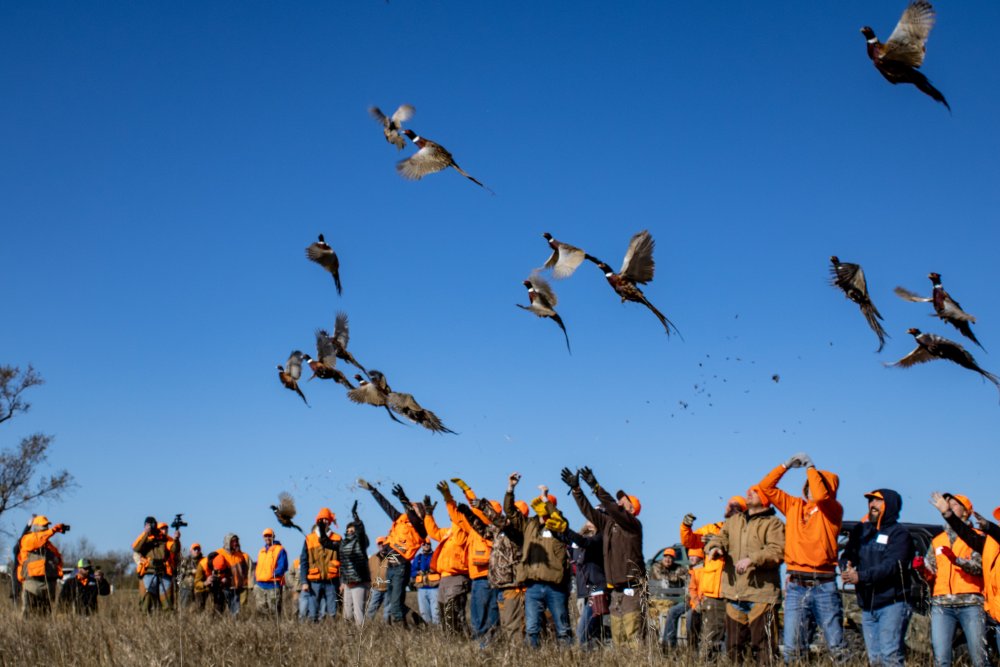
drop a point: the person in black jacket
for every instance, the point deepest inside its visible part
(877, 562)
(355, 576)
(586, 551)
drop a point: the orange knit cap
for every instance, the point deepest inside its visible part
(496, 507)
(326, 515)
(739, 501)
(760, 495)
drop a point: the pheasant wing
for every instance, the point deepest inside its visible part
(908, 42)
(919, 355)
(564, 260)
(403, 113)
(368, 394)
(323, 255)
(341, 330)
(326, 352)
(294, 365)
(377, 114)
(638, 263)
(543, 290)
(907, 295)
(429, 159)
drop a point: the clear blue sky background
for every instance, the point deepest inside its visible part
(165, 164)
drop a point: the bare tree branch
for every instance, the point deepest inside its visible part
(12, 387)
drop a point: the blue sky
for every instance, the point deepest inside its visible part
(165, 164)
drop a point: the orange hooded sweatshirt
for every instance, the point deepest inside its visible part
(451, 555)
(710, 581)
(811, 528)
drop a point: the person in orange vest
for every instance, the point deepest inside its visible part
(426, 581)
(229, 575)
(450, 559)
(157, 553)
(812, 598)
(319, 567)
(39, 566)
(202, 590)
(272, 563)
(712, 616)
(696, 560)
(955, 571)
(405, 537)
(484, 613)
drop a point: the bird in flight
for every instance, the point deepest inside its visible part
(637, 267)
(850, 278)
(430, 157)
(391, 125)
(324, 367)
(564, 259)
(284, 511)
(291, 372)
(323, 254)
(945, 307)
(931, 346)
(375, 392)
(903, 53)
(542, 302)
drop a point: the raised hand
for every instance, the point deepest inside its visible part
(397, 490)
(512, 481)
(364, 484)
(442, 486)
(588, 476)
(460, 483)
(354, 509)
(689, 519)
(939, 502)
(796, 460)
(570, 478)
(428, 505)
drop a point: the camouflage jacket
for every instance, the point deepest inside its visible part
(186, 570)
(972, 565)
(506, 553)
(676, 576)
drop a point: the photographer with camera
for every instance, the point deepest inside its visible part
(157, 553)
(39, 566)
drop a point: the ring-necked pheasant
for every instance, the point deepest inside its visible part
(851, 279)
(392, 125)
(565, 258)
(637, 267)
(325, 366)
(407, 406)
(375, 392)
(430, 157)
(341, 336)
(323, 254)
(898, 59)
(543, 301)
(284, 511)
(945, 307)
(931, 346)
(290, 374)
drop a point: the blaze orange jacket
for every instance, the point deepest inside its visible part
(991, 577)
(694, 586)
(237, 564)
(36, 553)
(811, 528)
(950, 579)
(479, 547)
(710, 580)
(451, 555)
(404, 538)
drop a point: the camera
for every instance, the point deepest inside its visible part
(65, 528)
(178, 522)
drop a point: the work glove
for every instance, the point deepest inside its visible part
(588, 476)
(796, 460)
(948, 553)
(364, 484)
(983, 521)
(445, 491)
(354, 510)
(688, 519)
(460, 483)
(428, 505)
(397, 490)
(556, 523)
(539, 505)
(570, 478)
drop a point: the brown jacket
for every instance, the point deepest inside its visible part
(761, 538)
(543, 557)
(624, 564)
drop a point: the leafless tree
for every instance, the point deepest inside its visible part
(21, 479)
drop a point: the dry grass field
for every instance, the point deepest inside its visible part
(121, 635)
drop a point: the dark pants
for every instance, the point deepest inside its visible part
(453, 595)
(483, 610)
(397, 576)
(694, 630)
(751, 632)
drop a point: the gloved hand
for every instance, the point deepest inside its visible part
(588, 476)
(983, 521)
(556, 523)
(397, 490)
(570, 478)
(364, 484)
(948, 553)
(538, 504)
(354, 510)
(796, 460)
(428, 505)
(445, 491)
(918, 563)
(806, 461)
(688, 519)
(460, 483)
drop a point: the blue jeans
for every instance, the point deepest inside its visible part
(397, 576)
(148, 580)
(427, 599)
(819, 604)
(583, 625)
(885, 633)
(483, 611)
(943, 622)
(537, 598)
(376, 601)
(669, 620)
(322, 599)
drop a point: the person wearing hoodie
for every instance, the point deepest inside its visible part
(586, 551)
(319, 567)
(624, 563)
(229, 573)
(355, 577)
(877, 562)
(812, 525)
(752, 544)
(451, 561)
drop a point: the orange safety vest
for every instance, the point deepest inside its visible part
(238, 565)
(710, 584)
(161, 553)
(37, 557)
(267, 560)
(323, 563)
(404, 538)
(428, 580)
(950, 579)
(479, 555)
(991, 577)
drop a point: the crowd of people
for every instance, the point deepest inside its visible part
(506, 571)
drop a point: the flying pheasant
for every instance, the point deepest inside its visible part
(932, 346)
(898, 59)
(375, 392)
(392, 125)
(290, 376)
(637, 267)
(323, 254)
(851, 279)
(946, 308)
(284, 511)
(431, 157)
(407, 406)
(543, 301)
(341, 336)
(325, 367)
(564, 259)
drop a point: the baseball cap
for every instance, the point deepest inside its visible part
(636, 505)
(268, 531)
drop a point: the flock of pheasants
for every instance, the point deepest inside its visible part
(897, 60)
